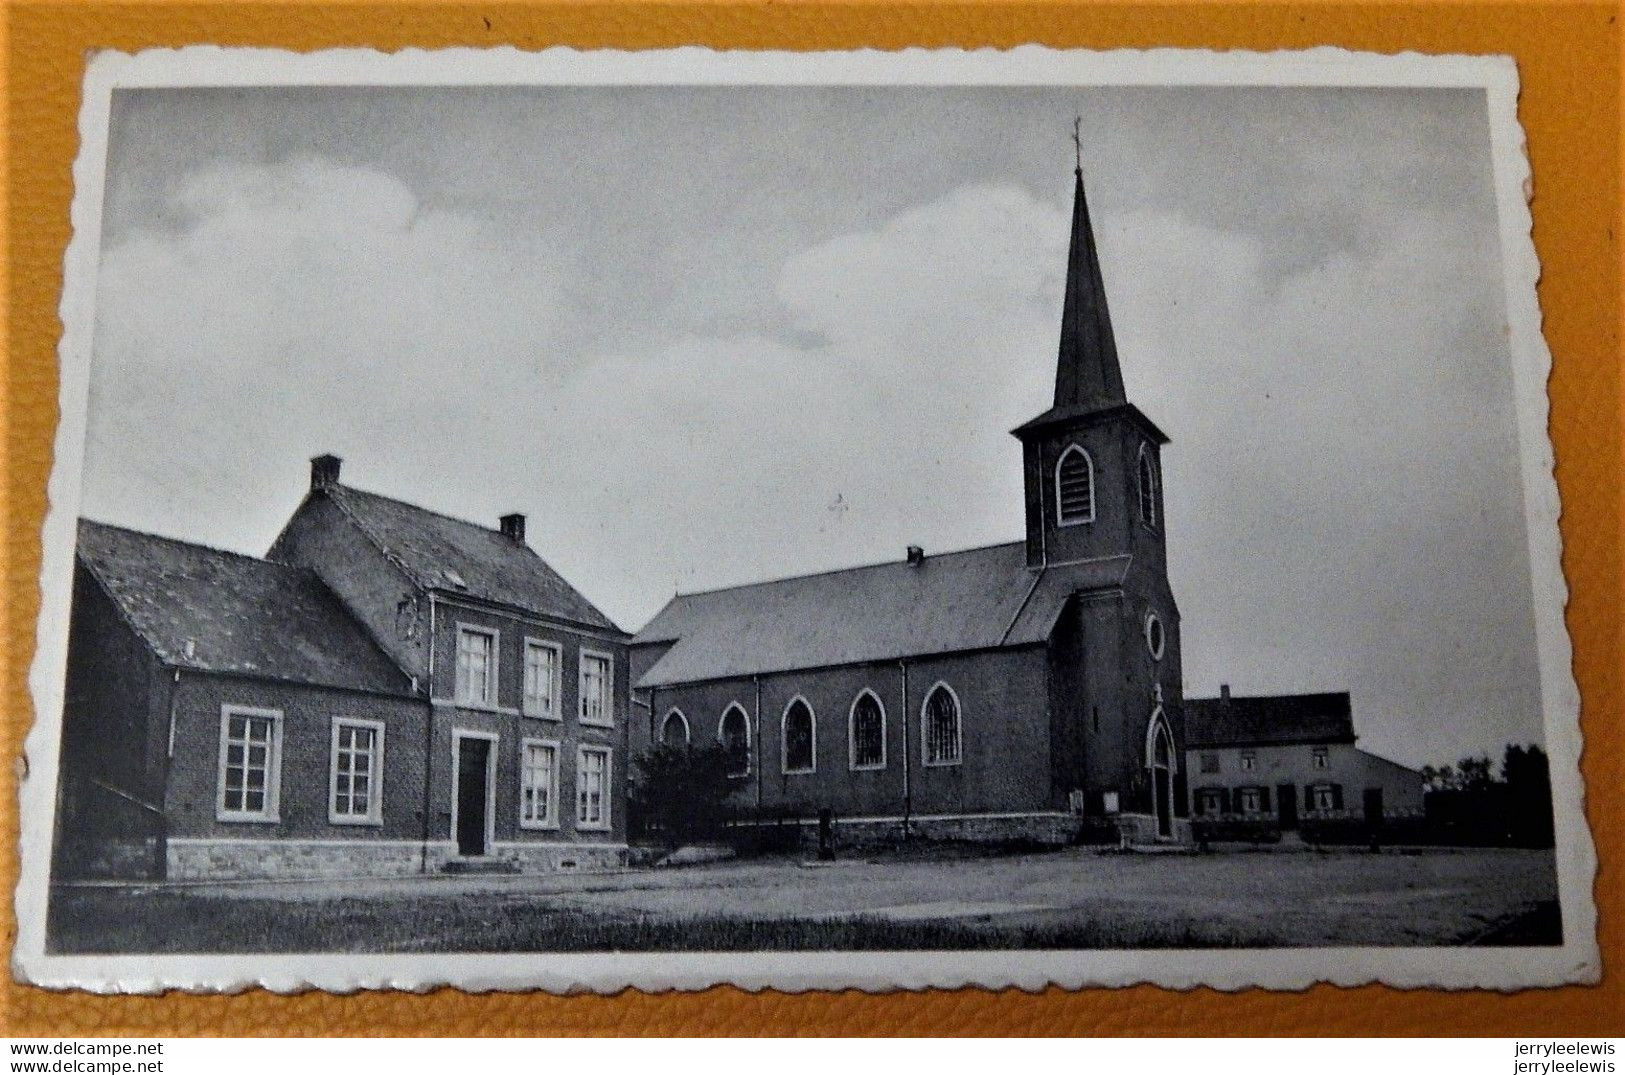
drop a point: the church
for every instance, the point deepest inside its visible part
(1029, 690)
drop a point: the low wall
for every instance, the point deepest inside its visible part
(1048, 829)
(286, 860)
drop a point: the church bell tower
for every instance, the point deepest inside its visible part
(1093, 476)
(1093, 460)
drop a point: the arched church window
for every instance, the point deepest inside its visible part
(799, 739)
(733, 732)
(941, 731)
(674, 729)
(868, 732)
(1148, 488)
(1075, 487)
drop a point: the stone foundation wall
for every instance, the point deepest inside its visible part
(281, 860)
(286, 860)
(553, 858)
(1054, 830)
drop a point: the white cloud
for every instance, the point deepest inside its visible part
(298, 307)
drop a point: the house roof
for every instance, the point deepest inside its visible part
(218, 611)
(951, 602)
(442, 553)
(1269, 719)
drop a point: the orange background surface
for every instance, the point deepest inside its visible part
(1569, 60)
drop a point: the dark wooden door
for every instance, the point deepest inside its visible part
(1373, 805)
(472, 759)
(1286, 806)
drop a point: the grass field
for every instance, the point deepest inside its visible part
(1069, 899)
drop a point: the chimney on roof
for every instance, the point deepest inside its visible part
(1224, 692)
(513, 527)
(916, 556)
(324, 471)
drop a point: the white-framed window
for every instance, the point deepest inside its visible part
(1326, 797)
(940, 732)
(1155, 638)
(1148, 486)
(1250, 801)
(597, 683)
(538, 784)
(1321, 758)
(798, 738)
(592, 787)
(674, 729)
(1249, 760)
(355, 785)
(866, 732)
(1210, 763)
(543, 681)
(476, 666)
(250, 774)
(1074, 487)
(733, 732)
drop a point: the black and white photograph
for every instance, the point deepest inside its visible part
(579, 520)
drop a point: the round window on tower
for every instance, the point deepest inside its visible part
(1153, 635)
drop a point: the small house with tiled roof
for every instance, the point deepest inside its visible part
(525, 679)
(1025, 690)
(226, 716)
(1285, 758)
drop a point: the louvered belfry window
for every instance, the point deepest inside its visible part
(1075, 487)
(1148, 489)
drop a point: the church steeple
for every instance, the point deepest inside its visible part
(1087, 374)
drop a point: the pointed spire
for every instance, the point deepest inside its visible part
(1087, 373)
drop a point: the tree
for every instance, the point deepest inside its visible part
(680, 793)
(1529, 790)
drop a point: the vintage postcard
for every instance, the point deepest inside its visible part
(585, 520)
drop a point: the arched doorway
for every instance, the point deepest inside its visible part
(1164, 765)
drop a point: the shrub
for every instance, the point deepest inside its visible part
(679, 794)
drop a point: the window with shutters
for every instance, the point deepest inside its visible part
(733, 732)
(1326, 797)
(1074, 487)
(867, 738)
(799, 739)
(941, 733)
(538, 784)
(1320, 758)
(355, 782)
(1250, 801)
(1249, 760)
(250, 764)
(674, 729)
(1148, 487)
(1210, 763)
(1210, 802)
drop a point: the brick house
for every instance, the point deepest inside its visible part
(1289, 758)
(1010, 691)
(207, 698)
(389, 691)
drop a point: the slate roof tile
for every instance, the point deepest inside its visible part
(219, 611)
(1269, 719)
(977, 599)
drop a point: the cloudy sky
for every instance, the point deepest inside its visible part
(708, 336)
